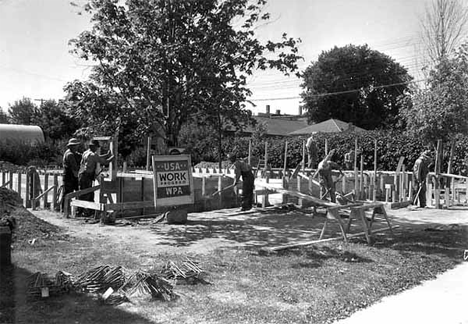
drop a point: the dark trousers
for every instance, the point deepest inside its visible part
(248, 185)
(421, 188)
(86, 181)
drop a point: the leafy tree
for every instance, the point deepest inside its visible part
(354, 84)
(163, 63)
(23, 112)
(55, 121)
(3, 117)
(441, 110)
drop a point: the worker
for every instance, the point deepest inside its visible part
(88, 170)
(349, 160)
(71, 166)
(325, 168)
(420, 172)
(244, 170)
(312, 150)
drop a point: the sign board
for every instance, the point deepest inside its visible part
(173, 182)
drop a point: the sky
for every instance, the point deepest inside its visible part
(35, 58)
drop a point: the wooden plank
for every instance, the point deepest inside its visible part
(317, 201)
(130, 205)
(368, 206)
(288, 246)
(88, 205)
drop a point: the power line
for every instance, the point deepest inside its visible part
(339, 92)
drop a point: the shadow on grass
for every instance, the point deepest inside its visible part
(16, 306)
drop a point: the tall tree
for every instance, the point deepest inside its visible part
(161, 63)
(443, 29)
(23, 112)
(354, 84)
(440, 111)
(54, 120)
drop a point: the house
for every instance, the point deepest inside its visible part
(327, 126)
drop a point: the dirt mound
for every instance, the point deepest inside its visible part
(30, 228)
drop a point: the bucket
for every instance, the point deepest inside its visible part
(5, 246)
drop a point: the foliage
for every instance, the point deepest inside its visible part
(162, 63)
(441, 110)
(355, 84)
(22, 154)
(4, 119)
(23, 112)
(54, 121)
(391, 145)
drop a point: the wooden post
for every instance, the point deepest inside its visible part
(19, 184)
(326, 146)
(54, 193)
(148, 153)
(10, 178)
(285, 157)
(437, 173)
(356, 178)
(361, 184)
(46, 186)
(374, 192)
(303, 155)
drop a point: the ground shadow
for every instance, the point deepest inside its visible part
(18, 306)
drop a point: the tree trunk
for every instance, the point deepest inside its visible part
(452, 149)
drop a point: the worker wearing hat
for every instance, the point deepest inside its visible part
(420, 172)
(244, 170)
(71, 166)
(325, 169)
(88, 168)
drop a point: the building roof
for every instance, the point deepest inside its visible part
(278, 126)
(328, 126)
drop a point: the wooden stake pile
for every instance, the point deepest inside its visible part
(142, 283)
(188, 272)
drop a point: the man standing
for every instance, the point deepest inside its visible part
(71, 166)
(420, 172)
(87, 173)
(325, 168)
(349, 160)
(312, 154)
(243, 169)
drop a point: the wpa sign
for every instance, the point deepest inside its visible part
(173, 182)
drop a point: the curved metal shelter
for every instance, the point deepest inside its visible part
(21, 133)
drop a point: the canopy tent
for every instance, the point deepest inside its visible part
(22, 133)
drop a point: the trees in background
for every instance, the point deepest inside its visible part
(23, 112)
(355, 84)
(163, 63)
(443, 29)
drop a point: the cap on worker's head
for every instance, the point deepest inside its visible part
(232, 157)
(330, 154)
(73, 142)
(94, 143)
(426, 153)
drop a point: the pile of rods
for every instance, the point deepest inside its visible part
(122, 285)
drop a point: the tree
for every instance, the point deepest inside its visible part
(354, 84)
(443, 28)
(23, 112)
(162, 63)
(54, 120)
(3, 117)
(441, 110)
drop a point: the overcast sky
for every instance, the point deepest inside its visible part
(35, 61)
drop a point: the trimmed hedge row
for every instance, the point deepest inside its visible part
(390, 147)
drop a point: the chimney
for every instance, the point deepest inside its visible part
(278, 112)
(268, 110)
(300, 110)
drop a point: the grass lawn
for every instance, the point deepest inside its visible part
(315, 284)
